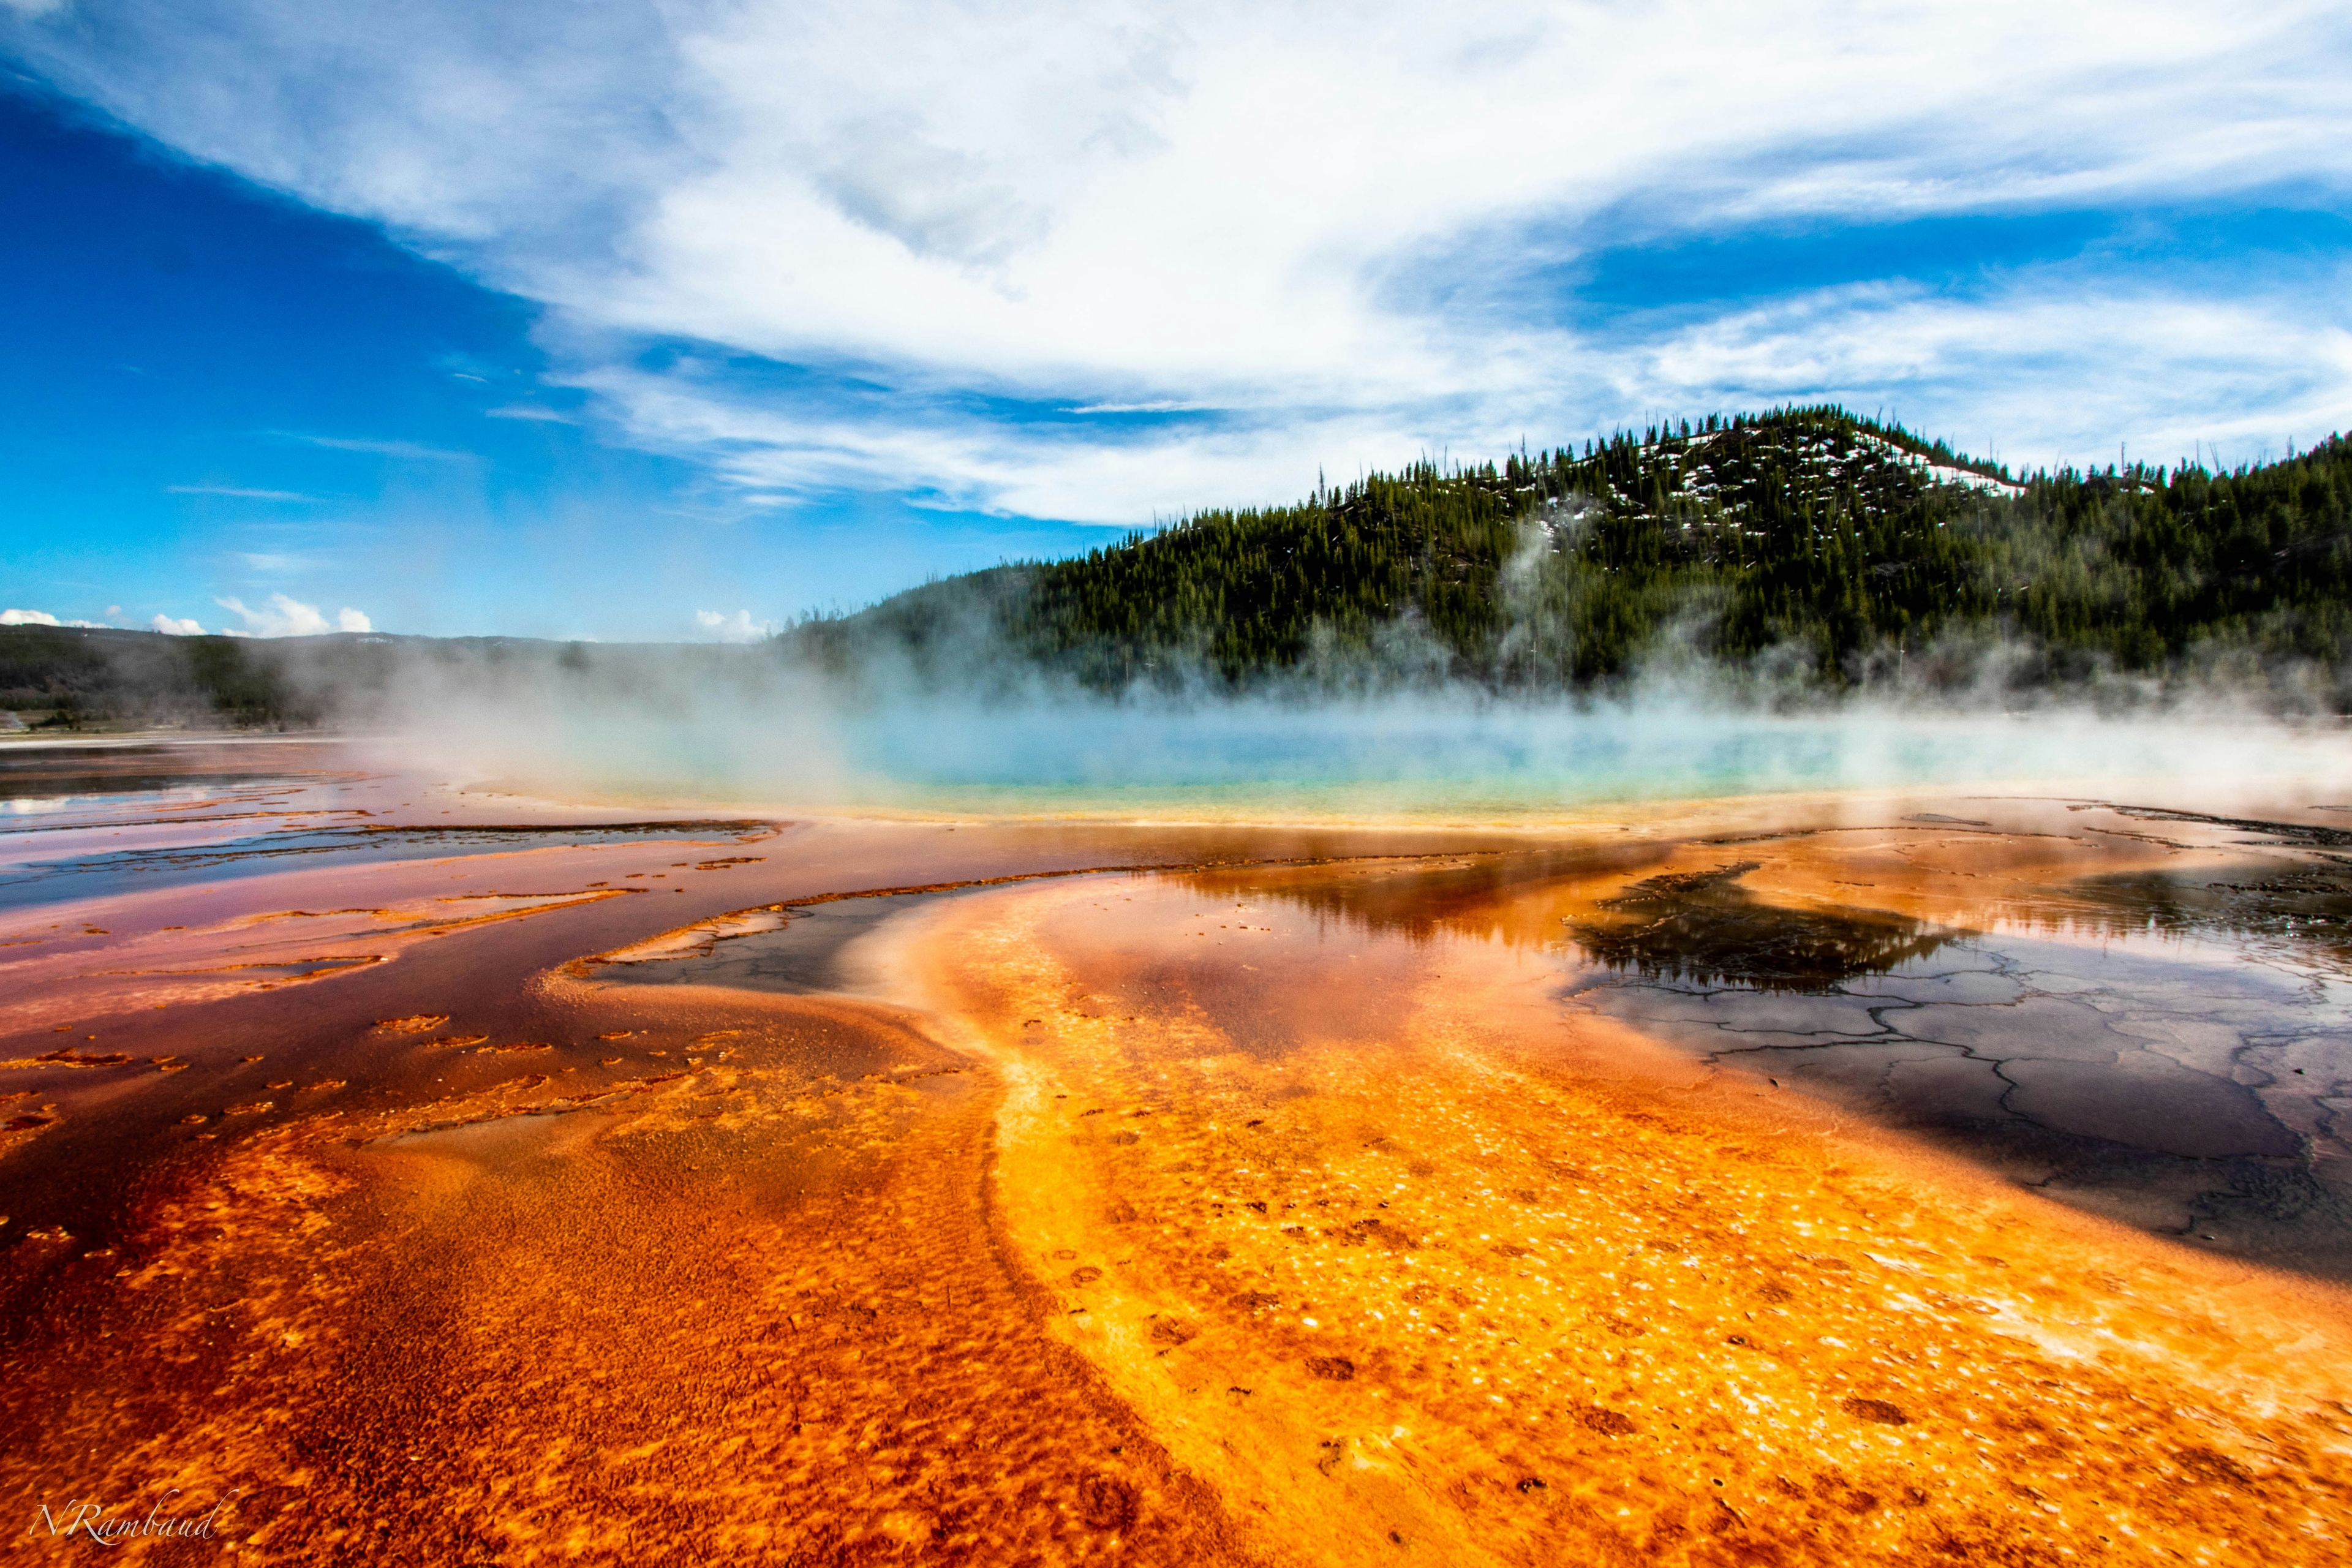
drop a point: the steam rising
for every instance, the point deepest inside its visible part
(758, 726)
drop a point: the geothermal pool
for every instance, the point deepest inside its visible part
(418, 1172)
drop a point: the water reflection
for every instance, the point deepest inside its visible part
(1704, 928)
(2167, 1048)
(2306, 910)
(1513, 896)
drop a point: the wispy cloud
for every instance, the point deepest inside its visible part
(530, 412)
(1317, 226)
(238, 492)
(15, 618)
(411, 449)
(957, 459)
(265, 560)
(288, 617)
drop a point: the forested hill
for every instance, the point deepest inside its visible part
(1835, 543)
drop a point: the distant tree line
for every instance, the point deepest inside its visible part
(1832, 542)
(73, 677)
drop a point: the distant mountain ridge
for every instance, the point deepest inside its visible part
(1802, 548)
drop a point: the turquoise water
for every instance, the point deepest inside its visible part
(1422, 760)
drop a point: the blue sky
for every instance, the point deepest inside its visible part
(625, 321)
(211, 391)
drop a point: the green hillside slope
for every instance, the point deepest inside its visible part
(1831, 541)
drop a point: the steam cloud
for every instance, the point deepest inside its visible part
(958, 720)
(1354, 740)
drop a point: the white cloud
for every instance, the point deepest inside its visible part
(288, 617)
(408, 449)
(34, 7)
(41, 618)
(284, 617)
(179, 628)
(528, 410)
(737, 628)
(965, 460)
(236, 492)
(1342, 228)
(2168, 371)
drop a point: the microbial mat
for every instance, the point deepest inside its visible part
(428, 1175)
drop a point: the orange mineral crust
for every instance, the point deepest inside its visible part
(1398, 1258)
(387, 1175)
